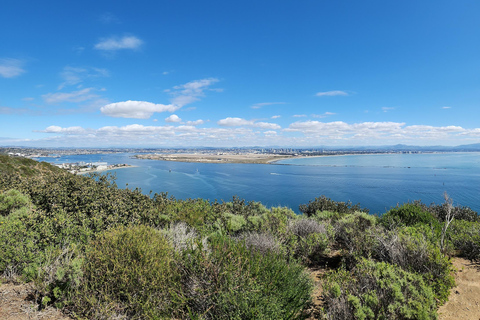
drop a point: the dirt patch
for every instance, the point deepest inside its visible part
(16, 304)
(464, 299)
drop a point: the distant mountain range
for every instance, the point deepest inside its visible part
(403, 147)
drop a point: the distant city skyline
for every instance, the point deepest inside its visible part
(237, 74)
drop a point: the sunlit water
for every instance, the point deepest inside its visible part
(377, 182)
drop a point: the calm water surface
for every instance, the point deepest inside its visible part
(377, 182)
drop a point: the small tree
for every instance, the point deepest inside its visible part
(449, 216)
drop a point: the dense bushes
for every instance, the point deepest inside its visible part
(129, 272)
(326, 204)
(377, 290)
(103, 252)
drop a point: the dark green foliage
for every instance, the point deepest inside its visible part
(323, 203)
(377, 290)
(353, 233)
(409, 214)
(440, 210)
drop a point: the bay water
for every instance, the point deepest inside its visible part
(378, 182)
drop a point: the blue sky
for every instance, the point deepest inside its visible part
(239, 73)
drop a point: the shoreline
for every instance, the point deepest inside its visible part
(217, 158)
(240, 158)
(102, 170)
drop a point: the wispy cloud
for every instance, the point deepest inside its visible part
(109, 18)
(386, 109)
(74, 96)
(446, 107)
(119, 43)
(190, 92)
(276, 117)
(72, 75)
(11, 68)
(324, 115)
(195, 123)
(263, 104)
(299, 115)
(135, 109)
(331, 93)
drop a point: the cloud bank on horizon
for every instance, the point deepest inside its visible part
(153, 75)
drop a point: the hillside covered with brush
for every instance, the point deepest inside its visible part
(97, 251)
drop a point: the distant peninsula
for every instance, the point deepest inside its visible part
(261, 158)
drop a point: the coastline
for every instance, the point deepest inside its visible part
(102, 170)
(217, 158)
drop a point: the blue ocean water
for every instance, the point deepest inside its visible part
(377, 182)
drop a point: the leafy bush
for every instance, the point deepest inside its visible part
(377, 290)
(13, 200)
(465, 236)
(409, 214)
(440, 211)
(352, 233)
(323, 203)
(307, 239)
(229, 281)
(129, 272)
(410, 249)
(58, 275)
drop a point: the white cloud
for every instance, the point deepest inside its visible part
(10, 68)
(191, 91)
(68, 131)
(116, 43)
(173, 118)
(74, 96)
(301, 133)
(270, 133)
(446, 107)
(135, 109)
(238, 122)
(299, 115)
(234, 122)
(266, 125)
(195, 123)
(276, 117)
(331, 93)
(263, 104)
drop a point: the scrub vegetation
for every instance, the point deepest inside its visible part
(100, 252)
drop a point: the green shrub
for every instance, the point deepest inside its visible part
(410, 249)
(57, 275)
(409, 214)
(377, 290)
(13, 200)
(230, 281)
(131, 273)
(323, 203)
(353, 234)
(465, 237)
